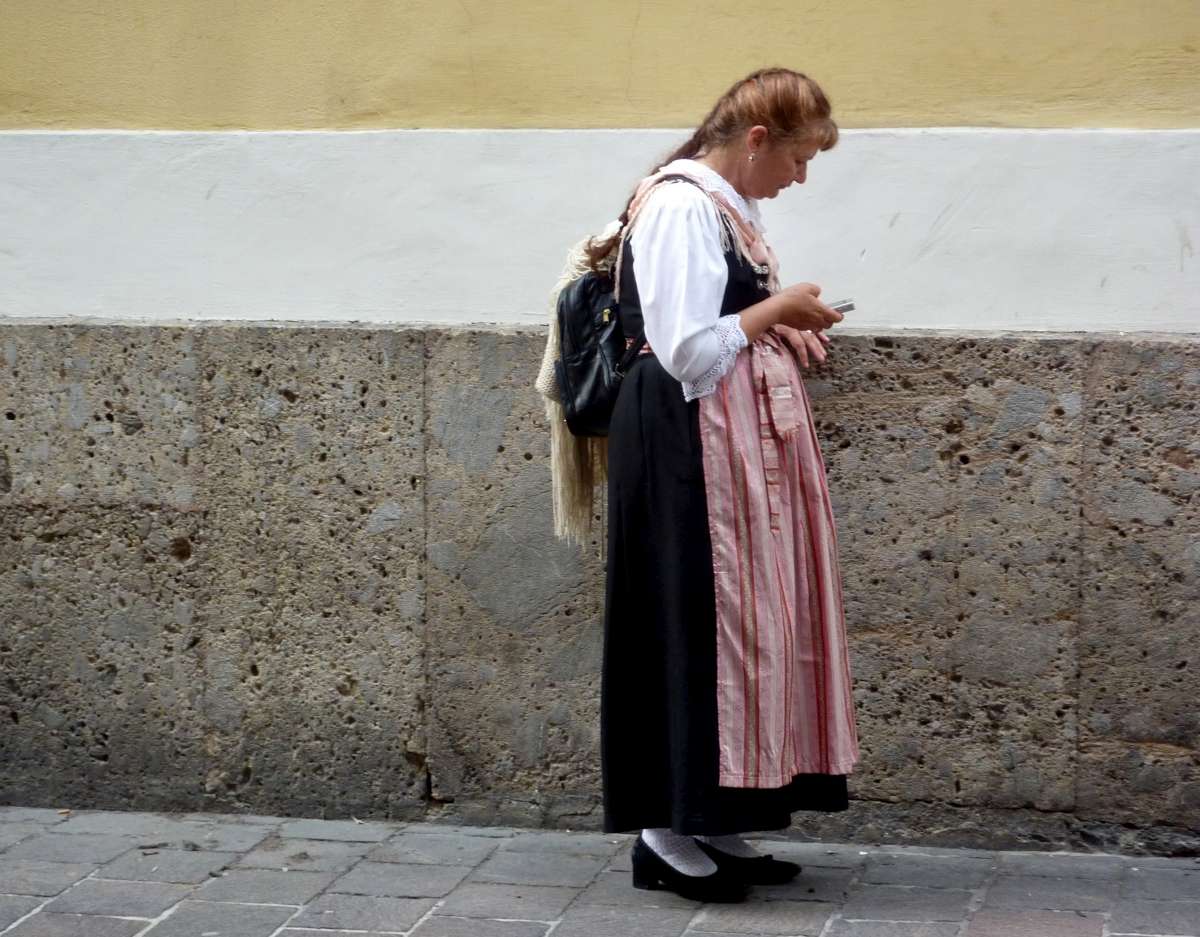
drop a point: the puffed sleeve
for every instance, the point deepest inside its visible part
(681, 276)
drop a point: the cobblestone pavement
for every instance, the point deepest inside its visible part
(105, 874)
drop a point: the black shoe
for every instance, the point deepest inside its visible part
(761, 870)
(651, 871)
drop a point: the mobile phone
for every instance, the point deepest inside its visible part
(843, 306)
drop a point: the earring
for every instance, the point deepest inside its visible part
(753, 157)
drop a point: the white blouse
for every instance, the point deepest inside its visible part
(681, 275)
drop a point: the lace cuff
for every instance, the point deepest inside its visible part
(731, 340)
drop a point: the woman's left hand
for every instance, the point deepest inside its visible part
(808, 346)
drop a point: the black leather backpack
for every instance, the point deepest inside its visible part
(593, 357)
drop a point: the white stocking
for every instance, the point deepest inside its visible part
(680, 852)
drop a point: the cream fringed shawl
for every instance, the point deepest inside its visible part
(578, 464)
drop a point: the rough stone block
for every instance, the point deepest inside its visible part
(515, 615)
(953, 468)
(1139, 731)
(314, 453)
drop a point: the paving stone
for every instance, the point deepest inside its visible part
(1177, 918)
(989, 923)
(1063, 864)
(62, 847)
(15, 907)
(622, 861)
(615, 888)
(179, 866)
(223, 837)
(513, 902)
(929, 871)
(812, 884)
(931, 852)
(252, 819)
(434, 849)
(340, 830)
(586, 844)
(357, 912)
(74, 925)
(1165, 884)
(206, 918)
(818, 854)
(1050, 893)
(182, 866)
(312, 855)
(438, 926)
(794, 918)
(539, 868)
(154, 825)
(13, 833)
(43, 815)
(313, 932)
(896, 929)
(264, 885)
(119, 899)
(395, 880)
(35, 877)
(900, 903)
(605, 921)
(494, 832)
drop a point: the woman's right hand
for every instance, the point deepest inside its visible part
(796, 306)
(801, 308)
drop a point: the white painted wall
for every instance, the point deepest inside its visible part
(1056, 230)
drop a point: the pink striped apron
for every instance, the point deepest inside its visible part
(784, 704)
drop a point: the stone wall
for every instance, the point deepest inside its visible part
(310, 570)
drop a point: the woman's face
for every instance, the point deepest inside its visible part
(778, 165)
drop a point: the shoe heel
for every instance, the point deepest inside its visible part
(644, 880)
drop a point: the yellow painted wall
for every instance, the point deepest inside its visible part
(273, 64)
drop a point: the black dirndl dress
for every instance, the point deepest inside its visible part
(659, 734)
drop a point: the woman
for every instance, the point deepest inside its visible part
(726, 691)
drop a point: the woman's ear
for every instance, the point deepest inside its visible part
(756, 136)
